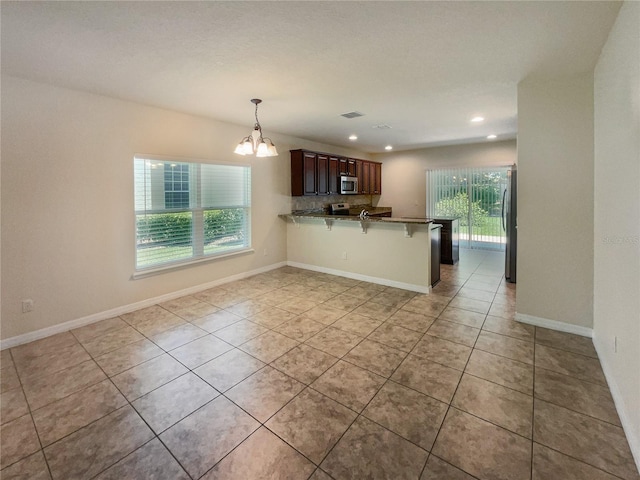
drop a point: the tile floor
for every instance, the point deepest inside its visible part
(293, 374)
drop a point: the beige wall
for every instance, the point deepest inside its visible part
(404, 173)
(555, 201)
(68, 234)
(382, 255)
(617, 216)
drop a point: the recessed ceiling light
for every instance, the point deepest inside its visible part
(477, 119)
(491, 137)
(388, 147)
(353, 137)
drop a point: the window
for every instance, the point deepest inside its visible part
(189, 211)
(176, 185)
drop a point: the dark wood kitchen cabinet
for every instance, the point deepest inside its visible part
(351, 167)
(436, 236)
(316, 173)
(364, 176)
(369, 177)
(347, 166)
(376, 178)
(322, 174)
(342, 166)
(309, 173)
(334, 175)
(450, 240)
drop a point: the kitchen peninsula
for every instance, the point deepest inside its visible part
(389, 251)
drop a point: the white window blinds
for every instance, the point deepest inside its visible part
(474, 195)
(188, 211)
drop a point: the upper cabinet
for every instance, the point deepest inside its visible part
(334, 175)
(362, 169)
(309, 166)
(316, 173)
(347, 167)
(369, 177)
(322, 174)
(376, 178)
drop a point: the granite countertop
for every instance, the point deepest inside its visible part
(372, 210)
(355, 218)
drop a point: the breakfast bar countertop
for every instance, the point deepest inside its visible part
(355, 210)
(355, 218)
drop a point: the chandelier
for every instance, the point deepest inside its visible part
(255, 142)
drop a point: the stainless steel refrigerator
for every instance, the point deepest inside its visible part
(510, 223)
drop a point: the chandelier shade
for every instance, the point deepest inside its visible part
(255, 142)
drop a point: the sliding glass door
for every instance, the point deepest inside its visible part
(475, 196)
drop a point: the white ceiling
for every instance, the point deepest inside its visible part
(423, 68)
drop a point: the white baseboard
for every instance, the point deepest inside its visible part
(618, 400)
(114, 312)
(364, 278)
(554, 325)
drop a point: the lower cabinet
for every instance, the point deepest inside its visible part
(435, 253)
(450, 240)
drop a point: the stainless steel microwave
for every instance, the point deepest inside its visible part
(348, 185)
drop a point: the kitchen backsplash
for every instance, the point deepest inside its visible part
(319, 203)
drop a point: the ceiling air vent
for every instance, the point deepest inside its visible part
(352, 115)
(382, 126)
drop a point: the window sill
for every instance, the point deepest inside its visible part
(172, 267)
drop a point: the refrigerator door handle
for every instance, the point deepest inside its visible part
(504, 194)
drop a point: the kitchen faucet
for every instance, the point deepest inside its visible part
(364, 214)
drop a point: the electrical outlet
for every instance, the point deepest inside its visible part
(266, 252)
(344, 255)
(27, 305)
